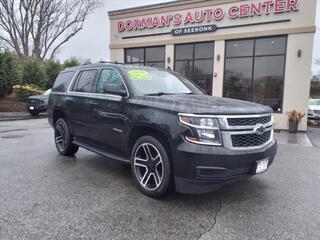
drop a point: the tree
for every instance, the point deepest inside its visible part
(9, 72)
(38, 28)
(33, 72)
(52, 69)
(71, 62)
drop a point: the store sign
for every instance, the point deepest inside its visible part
(210, 15)
(194, 30)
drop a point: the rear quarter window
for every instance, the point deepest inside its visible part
(62, 82)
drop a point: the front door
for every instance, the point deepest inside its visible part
(195, 61)
(109, 114)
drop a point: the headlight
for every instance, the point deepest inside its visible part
(205, 129)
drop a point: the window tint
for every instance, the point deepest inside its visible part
(195, 61)
(239, 48)
(85, 81)
(109, 77)
(154, 54)
(184, 52)
(135, 55)
(270, 46)
(260, 77)
(149, 56)
(203, 50)
(62, 82)
(237, 78)
(268, 81)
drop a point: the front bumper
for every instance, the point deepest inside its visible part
(37, 107)
(201, 169)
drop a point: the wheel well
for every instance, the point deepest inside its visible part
(140, 131)
(58, 114)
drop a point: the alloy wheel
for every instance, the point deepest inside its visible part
(148, 166)
(60, 136)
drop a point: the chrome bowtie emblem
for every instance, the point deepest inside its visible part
(259, 129)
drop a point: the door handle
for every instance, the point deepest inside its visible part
(93, 104)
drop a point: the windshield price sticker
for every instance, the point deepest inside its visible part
(139, 75)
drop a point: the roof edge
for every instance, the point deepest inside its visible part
(154, 6)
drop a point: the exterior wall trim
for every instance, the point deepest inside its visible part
(214, 37)
(165, 7)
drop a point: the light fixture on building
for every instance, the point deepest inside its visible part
(218, 57)
(299, 53)
(168, 59)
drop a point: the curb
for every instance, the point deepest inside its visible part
(26, 117)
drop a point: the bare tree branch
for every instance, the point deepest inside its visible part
(38, 28)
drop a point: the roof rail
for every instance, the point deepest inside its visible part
(115, 62)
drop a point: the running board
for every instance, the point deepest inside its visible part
(102, 152)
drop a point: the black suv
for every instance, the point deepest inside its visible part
(169, 131)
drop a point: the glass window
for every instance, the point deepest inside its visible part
(268, 81)
(149, 56)
(270, 46)
(237, 78)
(183, 67)
(239, 48)
(195, 61)
(134, 55)
(155, 64)
(154, 54)
(109, 77)
(203, 66)
(62, 82)
(203, 50)
(85, 81)
(154, 81)
(184, 52)
(260, 77)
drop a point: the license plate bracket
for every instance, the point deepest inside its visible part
(261, 166)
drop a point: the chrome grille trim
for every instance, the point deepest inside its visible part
(227, 131)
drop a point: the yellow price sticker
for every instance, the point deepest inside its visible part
(139, 75)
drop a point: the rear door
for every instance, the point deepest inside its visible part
(78, 101)
(110, 117)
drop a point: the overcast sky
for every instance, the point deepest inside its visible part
(93, 41)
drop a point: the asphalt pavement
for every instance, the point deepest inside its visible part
(47, 196)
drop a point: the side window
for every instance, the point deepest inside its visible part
(62, 82)
(85, 81)
(109, 78)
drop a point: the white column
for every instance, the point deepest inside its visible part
(218, 68)
(169, 55)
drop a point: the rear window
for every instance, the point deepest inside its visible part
(62, 82)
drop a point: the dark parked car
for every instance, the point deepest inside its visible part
(169, 131)
(38, 103)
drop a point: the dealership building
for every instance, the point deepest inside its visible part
(254, 50)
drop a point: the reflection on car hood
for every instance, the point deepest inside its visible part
(36, 97)
(201, 104)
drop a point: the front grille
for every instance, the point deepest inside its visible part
(250, 140)
(249, 121)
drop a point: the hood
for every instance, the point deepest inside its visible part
(202, 104)
(38, 97)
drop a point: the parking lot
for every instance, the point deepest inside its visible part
(47, 196)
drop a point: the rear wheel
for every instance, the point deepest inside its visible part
(150, 167)
(63, 138)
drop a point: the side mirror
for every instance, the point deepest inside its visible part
(115, 89)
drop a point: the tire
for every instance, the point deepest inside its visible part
(63, 138)
(34, 113)
(150, 167)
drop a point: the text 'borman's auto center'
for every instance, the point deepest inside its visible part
(255, 50)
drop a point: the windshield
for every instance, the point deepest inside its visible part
(155, 81)
(314, 102)
(47, 92)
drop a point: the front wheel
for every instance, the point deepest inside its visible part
(63, 138)
(150, 167)
(34, 113)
